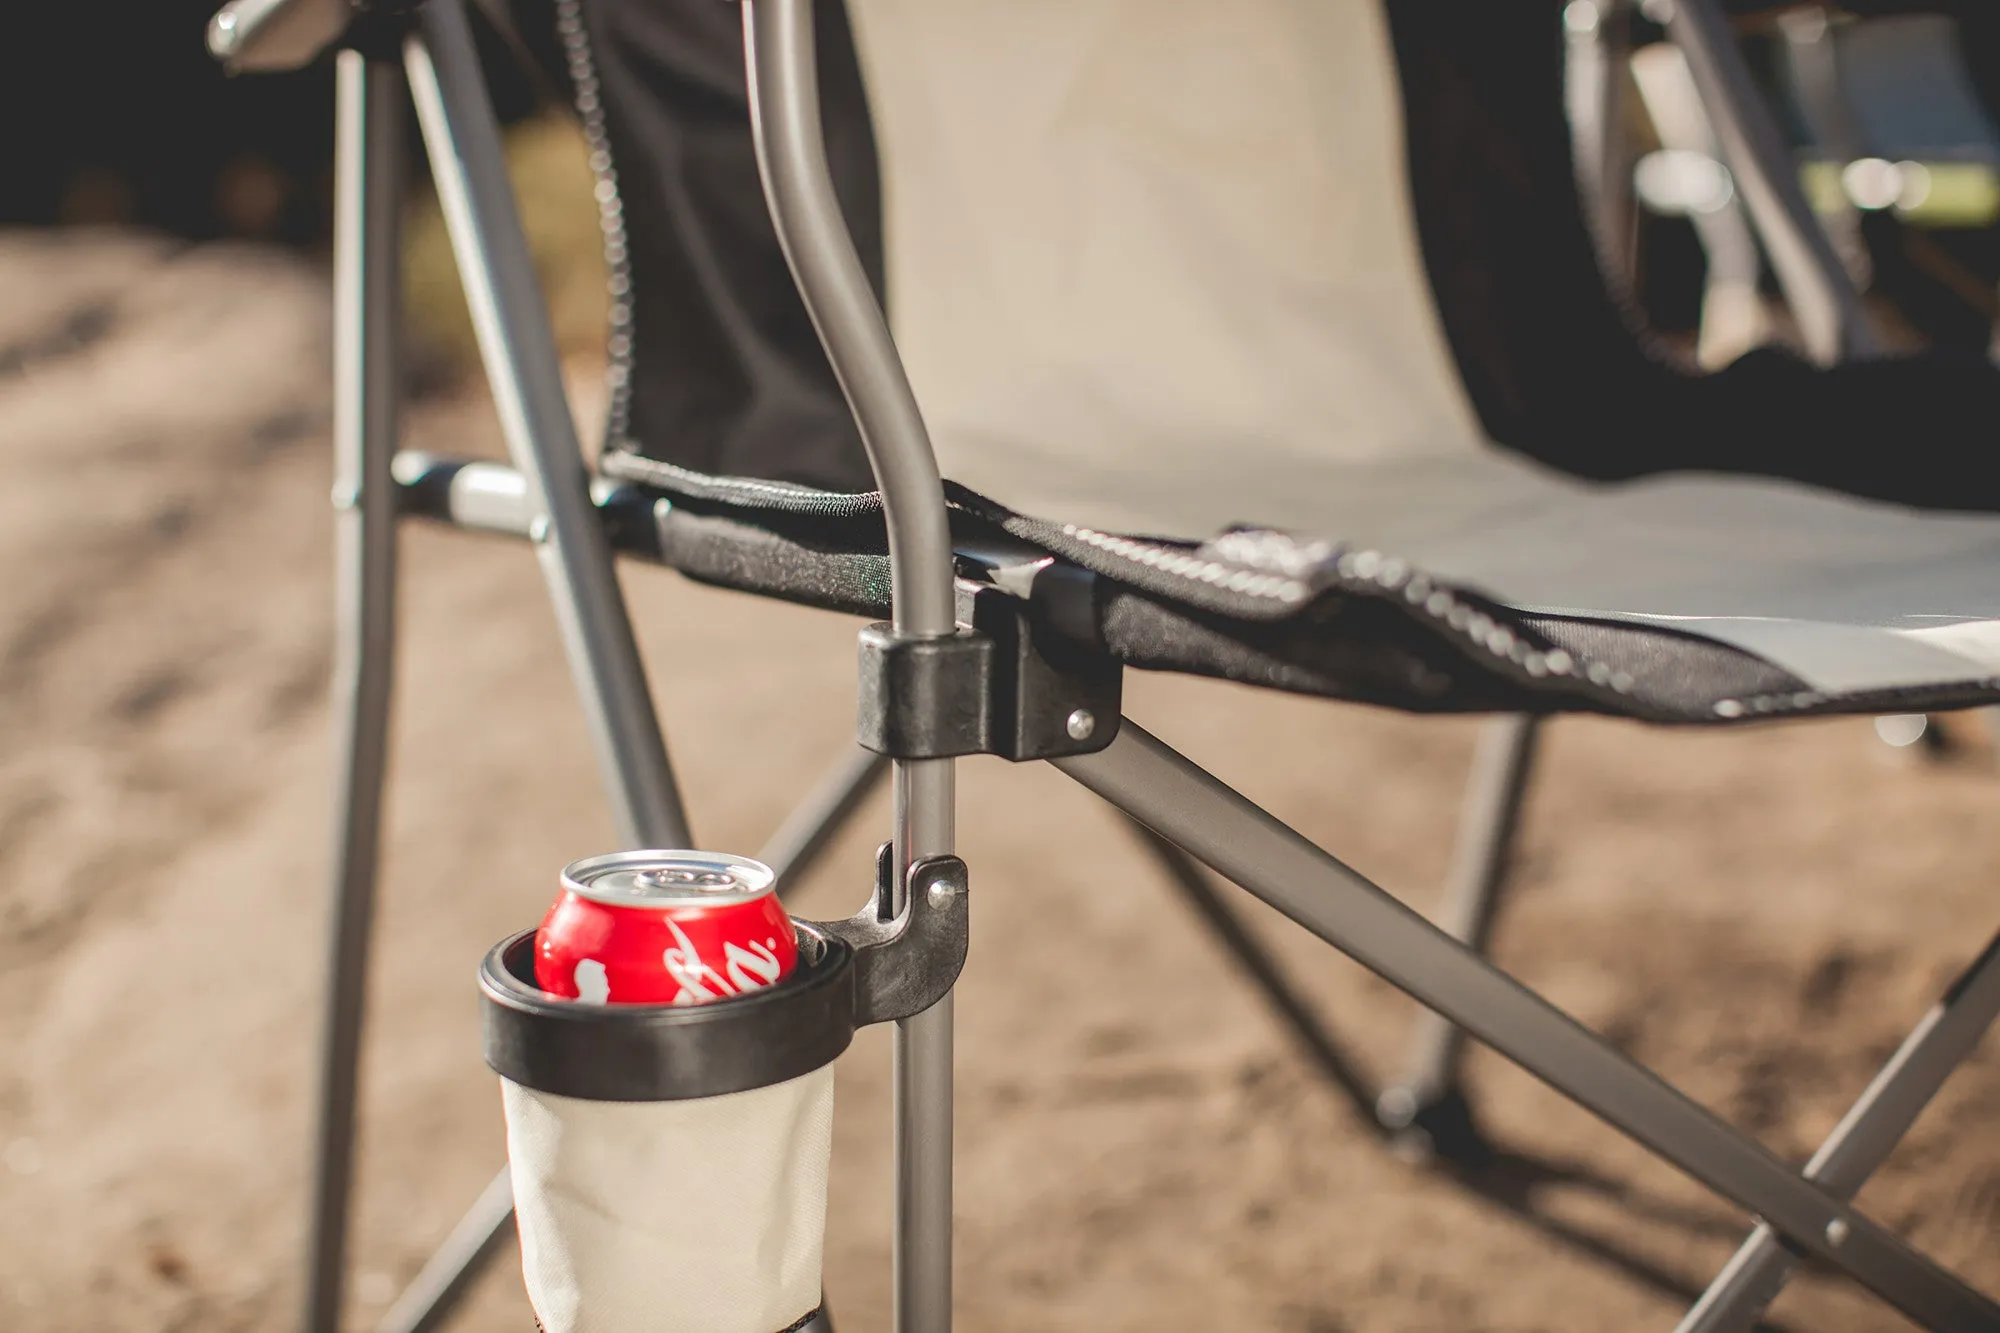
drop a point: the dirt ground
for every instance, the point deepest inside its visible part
(1759, 915)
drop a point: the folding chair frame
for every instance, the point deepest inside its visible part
(546, 496)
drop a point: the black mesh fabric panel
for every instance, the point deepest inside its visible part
(715, 364)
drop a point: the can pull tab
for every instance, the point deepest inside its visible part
(675, 877)
(905, 964)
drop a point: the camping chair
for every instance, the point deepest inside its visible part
(1441, 552)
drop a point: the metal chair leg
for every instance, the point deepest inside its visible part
(463, 138)
(1263, 971)
(448, 1275)
(1860, 1143)
(479, 1238)
(1426, 1112)
(366, 281)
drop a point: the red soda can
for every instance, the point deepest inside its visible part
(664, 928)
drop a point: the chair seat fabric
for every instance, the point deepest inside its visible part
(1442, 585)
(1845, 594)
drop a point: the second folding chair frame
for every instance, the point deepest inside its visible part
(1186, 815)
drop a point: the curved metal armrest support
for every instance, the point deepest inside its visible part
(791, 157)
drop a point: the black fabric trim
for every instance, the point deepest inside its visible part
(794, 1327)
(803, 1320)
(711, 352)
(1266, 608)
(779, 497)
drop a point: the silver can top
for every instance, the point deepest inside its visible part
(664, 879)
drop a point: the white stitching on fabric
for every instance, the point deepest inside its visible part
(1390, 573)
(618, 347)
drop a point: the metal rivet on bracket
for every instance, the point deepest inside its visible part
(1080, 725)
(1836, 1231)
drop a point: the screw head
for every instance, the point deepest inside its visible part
(1836, 1231)
(1080, 725)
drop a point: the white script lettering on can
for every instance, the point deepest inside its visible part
(749, 969)
(593, 986)
(758, 961)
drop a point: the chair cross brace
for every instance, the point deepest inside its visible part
(1153, 784)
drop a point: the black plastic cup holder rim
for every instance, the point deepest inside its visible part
(662, 1052)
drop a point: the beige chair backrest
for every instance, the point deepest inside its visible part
(1129, 234)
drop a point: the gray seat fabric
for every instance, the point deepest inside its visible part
(1844, 594)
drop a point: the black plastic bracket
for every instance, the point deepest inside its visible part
(925, 698)
(871, 968)
(903, 966)
(1012, 683)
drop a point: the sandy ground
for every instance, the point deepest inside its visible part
(1759, 915)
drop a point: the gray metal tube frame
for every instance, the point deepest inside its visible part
(463, 137)
(367, 294)
(1502, 763)
(791, 160)
(486, 497)
(1829, 311)
(468, 1249)
(511, 322)
(1177, 799)
(1257, 963)
(1861, 1142)
(479, 1236)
